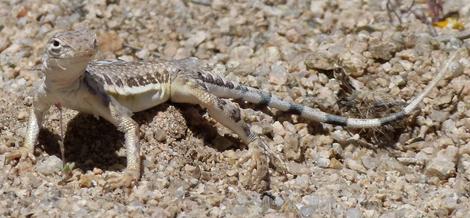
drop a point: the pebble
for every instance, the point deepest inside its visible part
(110, 41)
(22, 115)
(443, 164)
(196, 38)
(272, 54)
(292, 149)
(2, 161)
(322, 60)
(241, 53)
(278, 129)
(4, 43)
(464, 164)
(353, 213)
(353, 63)
(278, 74)
(385, 47)
(49, 165)
(449, 127)
(355, 165)
(439, 116)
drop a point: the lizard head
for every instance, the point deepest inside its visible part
(70, 49)
(80, 44)
(68, 53)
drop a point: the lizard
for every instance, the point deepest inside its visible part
(115, 89)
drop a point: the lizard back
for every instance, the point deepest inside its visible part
(136, 85)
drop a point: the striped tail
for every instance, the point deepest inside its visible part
(226, 89)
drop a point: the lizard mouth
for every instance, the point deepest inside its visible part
(77, 57)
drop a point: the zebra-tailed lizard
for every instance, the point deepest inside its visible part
(115, 89)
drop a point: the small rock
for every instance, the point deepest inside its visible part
(451, 202)
(22, 115)
(408, 66)
(335, 164)
(321, 61)
(439, 116)
(257, 129)
(292, 149)
(278, 129)
(278, 74)
(197, 38)
(353, 63)
(231, 172)
(170, 49)
(449, 127)
(355, 165)
(110, 41)
(2, 160)
(4, 43)
(443, 164)
(292, 35)
(397, 81)
(241, 52)
(50, 165)
(194, 171)
(408, 54)
(322, 162)
(302, 182)
(142, 54)
(317, 7)
(464, 165)
(384, 48)
(369, 162)
(353, 213)
(466, 123)
(159, 135)
(272, 54)
(297, 168)
(465, 149)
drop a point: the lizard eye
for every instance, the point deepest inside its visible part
(55, 44)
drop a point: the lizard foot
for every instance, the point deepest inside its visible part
(122, 180)
(21, 153)
(279, 165)
(274, 159)
(257, 174)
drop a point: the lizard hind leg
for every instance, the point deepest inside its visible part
(228, 114)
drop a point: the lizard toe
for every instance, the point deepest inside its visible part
(121, 180)
(21, 154)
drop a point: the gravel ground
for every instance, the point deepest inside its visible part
(293, 48)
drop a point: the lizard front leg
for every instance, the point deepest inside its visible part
(36, 115)
(123, 121)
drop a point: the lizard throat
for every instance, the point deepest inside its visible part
(59, 77)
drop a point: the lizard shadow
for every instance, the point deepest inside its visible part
(95, 143)
(195, 122)
(208, 131)
(89, 143)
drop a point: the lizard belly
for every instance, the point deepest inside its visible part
(141, 101)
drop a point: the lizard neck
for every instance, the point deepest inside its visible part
(63, 75)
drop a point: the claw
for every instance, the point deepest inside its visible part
(121, 180)
(21, 154)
